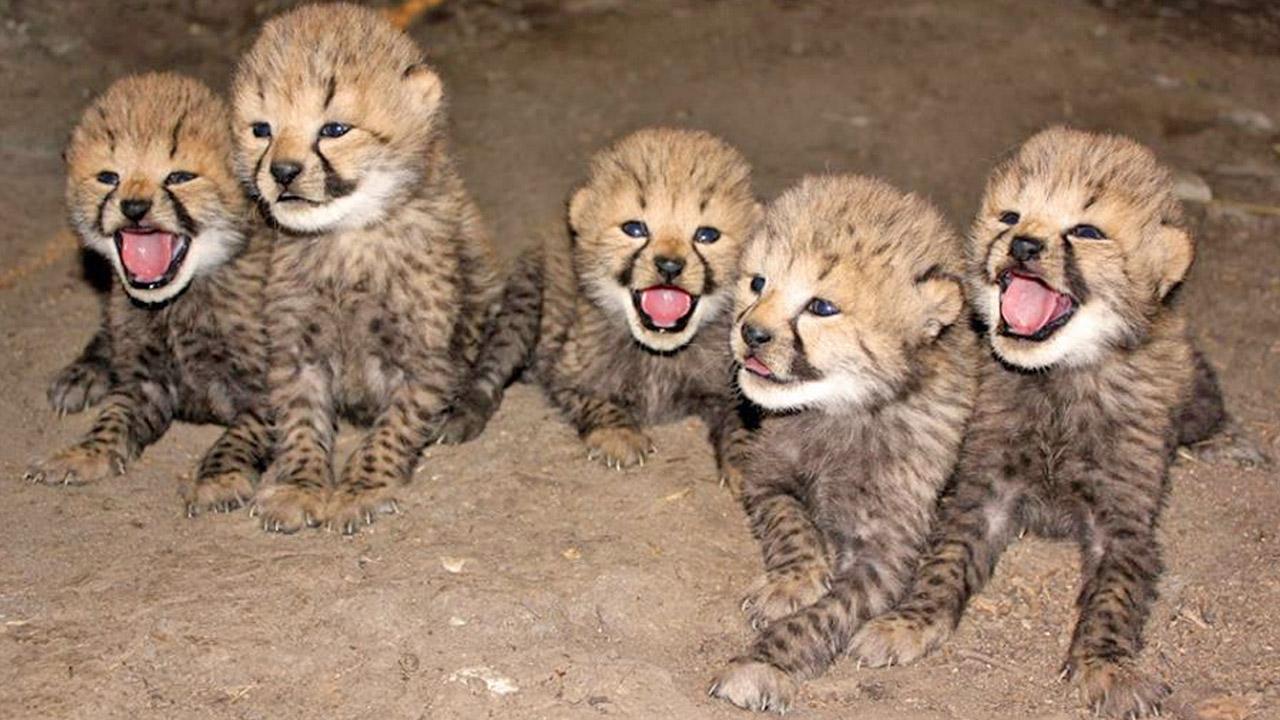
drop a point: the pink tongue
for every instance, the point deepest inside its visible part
(146, 255)
(757, 367)
(665, 305)
(1026, 305)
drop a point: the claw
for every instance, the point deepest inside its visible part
(368, 517)
(253, 511)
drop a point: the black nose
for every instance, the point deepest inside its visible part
(135, 209)
(1025, 248)
(669, 268)
(755, 336)
(285, 172)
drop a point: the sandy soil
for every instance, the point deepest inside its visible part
(524, 581)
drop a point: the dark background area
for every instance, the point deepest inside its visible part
(524, 581)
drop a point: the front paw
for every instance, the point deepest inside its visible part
(1116, 689)
(731, 478)
(756, 686)
(897, 639)
(351, 507)
(77, 465)
(779, 594)
(618, 447)
(222, 492)
(467, 419)
(287, 508)
(1232, 446)
(78, 386)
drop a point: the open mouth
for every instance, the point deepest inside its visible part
(288, 197)
(1029, 308)
(150, 257)
(664, 308)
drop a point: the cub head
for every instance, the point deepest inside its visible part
(1076, 246)
(658, 230)
(149, 183)
(844, 284)
(335, 115)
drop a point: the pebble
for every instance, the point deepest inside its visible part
(1190, 187)
(1252, 121)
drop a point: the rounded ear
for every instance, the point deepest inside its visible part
(1174, 252)
(943, 301)
(577, 208)
(426, 84)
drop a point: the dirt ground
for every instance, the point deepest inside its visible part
(523, 581)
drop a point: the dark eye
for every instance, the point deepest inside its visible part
(757, 284)
(334, 130)
(261, 129)
(706, 235)
(822, 308)
(1088, 232)
(177, 177)
(1009, 217)
(106, 177)
(635, 229)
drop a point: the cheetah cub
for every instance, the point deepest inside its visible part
(850, 330)
(1071, 265)
(623, 322)
(382, 277)
(150, 188)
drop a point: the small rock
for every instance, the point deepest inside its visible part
(456, 621)
(1253, 121)
(572, 553)
(493, 682)
(1190, 187)
(453, 564)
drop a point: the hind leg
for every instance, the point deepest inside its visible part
(1204, 425)
(84, 382)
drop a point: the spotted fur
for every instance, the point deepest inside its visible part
(849, 331)
(192, 348)
(1072, 434)
(572, 313)
(382, 277)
